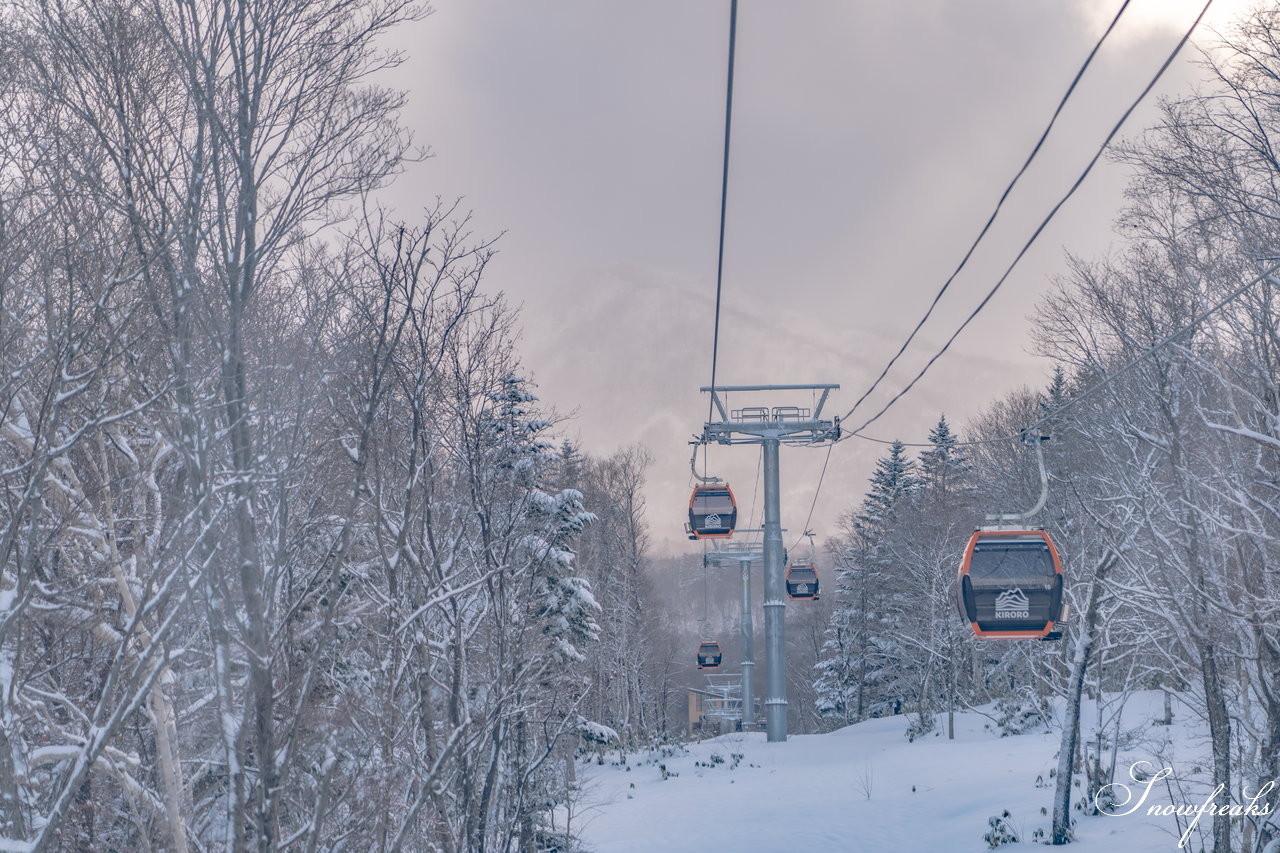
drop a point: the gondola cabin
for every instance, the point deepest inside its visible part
(709, 655)
(802, 582)
(712, 512)
(1010, 584)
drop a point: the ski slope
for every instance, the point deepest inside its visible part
(865, 788)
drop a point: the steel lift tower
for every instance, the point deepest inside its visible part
(770, 427)
(747, 556)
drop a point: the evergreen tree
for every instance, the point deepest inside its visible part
(944, 467)
(1056, 394)
(851, 670)
(895, 478)
(838, 681)
(571, 466)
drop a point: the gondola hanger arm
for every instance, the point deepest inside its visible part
(693, 465)
(1037, 439)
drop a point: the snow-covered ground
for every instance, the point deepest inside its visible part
(866, 788)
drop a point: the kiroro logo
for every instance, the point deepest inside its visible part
(1013, 604)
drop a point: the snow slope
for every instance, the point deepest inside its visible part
(865, 788)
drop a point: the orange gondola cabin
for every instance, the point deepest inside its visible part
(802, 582)
(709, 655)
(1010, 584)
(712, 512)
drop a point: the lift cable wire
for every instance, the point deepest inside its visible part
(994, 213)
(703, 621)
(804, 531)
(724, 203)
(1088, 392)
(1043, 224)
(1146, 353)
(857, 433)
(755, 494)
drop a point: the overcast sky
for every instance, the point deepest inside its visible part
(870, 141)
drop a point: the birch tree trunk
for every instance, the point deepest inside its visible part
(1085, 640)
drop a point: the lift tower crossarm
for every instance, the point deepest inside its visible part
(792, 425)
(821, 386)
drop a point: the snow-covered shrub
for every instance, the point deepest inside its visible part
(595, 740)
(921, 725)
(1104, 800)
(666, 746)
(554, 841)
(595, 733)
(1001, 831)
(1019, 715)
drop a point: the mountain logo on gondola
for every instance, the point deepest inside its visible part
(713, 521)
(1013, 604)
